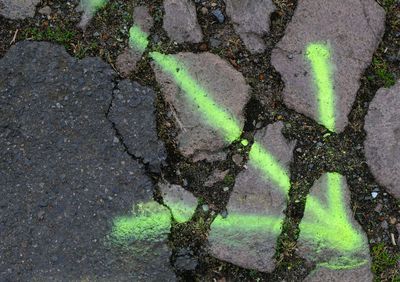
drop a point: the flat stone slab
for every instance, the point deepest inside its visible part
(127, 60)
(180, 21)
(64, 176)
(133, 113)
(330, 237)
(352, 28)
(382, 145)
(251, 20)
(18, 9)
(247, 236)
(181, 202)
(196, 139)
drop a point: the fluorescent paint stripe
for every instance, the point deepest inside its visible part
(138, 38)
(319, 56)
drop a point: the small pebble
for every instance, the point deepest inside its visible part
(205, 208)
(219, 15)
(374, 194)
(225, 189)
(204, 10)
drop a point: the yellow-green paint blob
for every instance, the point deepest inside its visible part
(93, 5)
(148, 222)
(138, 38)
(329, 227)
(319, 56)
(270, 167)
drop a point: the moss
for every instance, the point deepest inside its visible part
(55, 34)
(382, 72)
(384, 263)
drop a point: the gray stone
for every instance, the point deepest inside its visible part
(127, 60)
(181, 202)
(335, 241)
(196, 139)
(251, 20)
(142, 18)
(352, 28)
(382, 144)
(180, 21)
(133, 113)
(46, 10)
(58, 160)
(254, 200)
(18, 9)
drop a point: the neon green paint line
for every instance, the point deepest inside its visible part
(149, 222)
(330, 227)
(217, 117)
(138, 38)
(319, 56)
(269, 166)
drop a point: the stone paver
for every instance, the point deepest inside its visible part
(180, 21)
(352, 28)
(18, 9)
(228, 88)
(251, 242)
(64, 175)
(181, 202)
(382, 144)
(127, 60)
(333, 264)
(133, 113)
(251, 20)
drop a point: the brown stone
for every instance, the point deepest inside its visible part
(251, 20)
(254, 195)
(180, 21)
(352, 28)
(196, 139)
(382, 145)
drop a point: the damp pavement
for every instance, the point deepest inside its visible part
(157, 158)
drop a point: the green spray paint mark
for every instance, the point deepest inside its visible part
(328, 221)
(148, 222)
(269, 166)
(138, 38)
(331, 227)
(319, 56)
(217, 117)
(93, 5)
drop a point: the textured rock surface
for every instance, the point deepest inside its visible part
(322, 248)
(63, 174)
(353, 29)
(362, 274)
(382, 145)
(227, 87)
(18, 9)
(133, 114)
(251, 20)
(180, 21)
(254, 246)
(127, 60)
(181, 202)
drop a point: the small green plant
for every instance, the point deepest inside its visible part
(56, 34)
(384, 263)
(383, 73)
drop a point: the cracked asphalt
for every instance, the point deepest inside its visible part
(109, 172)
